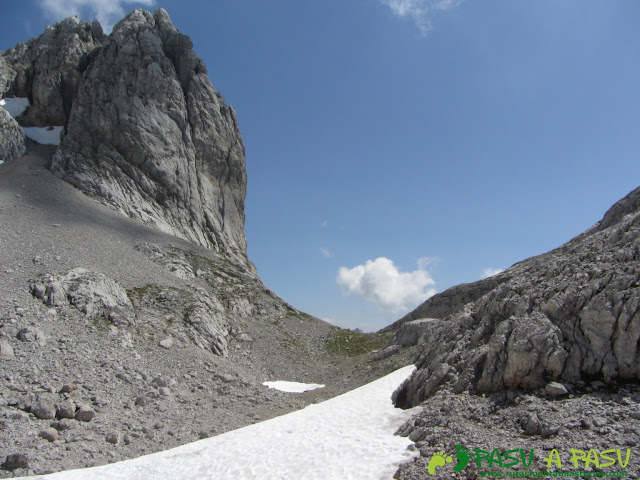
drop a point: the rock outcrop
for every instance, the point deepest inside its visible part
(150, 136)
(95, 295)
(570, 315)
(12, 142)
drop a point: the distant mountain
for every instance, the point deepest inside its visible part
(571, 315)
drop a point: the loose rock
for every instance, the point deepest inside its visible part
(85, 414)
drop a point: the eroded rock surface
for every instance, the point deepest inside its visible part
(569, 315)
(95, 295)
(12, 141)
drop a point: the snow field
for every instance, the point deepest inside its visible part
(44, 135)
(15, 106)
(292, 387)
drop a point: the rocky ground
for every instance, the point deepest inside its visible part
(117, 340)
(595, 416)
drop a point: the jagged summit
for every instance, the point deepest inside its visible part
(146, 131)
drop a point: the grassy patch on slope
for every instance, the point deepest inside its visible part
(350, 344)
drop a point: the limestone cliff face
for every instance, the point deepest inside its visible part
(146, 132)
(149, 135)
(570, 315)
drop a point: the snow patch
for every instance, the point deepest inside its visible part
(292, 387)
(45, 135)
(16, 106)
(348, 437)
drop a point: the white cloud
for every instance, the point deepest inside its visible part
(379, 281)
(420, 11)
(326, 253)
(325, 223)
(108, 12)
(424, 262)
(490, 272)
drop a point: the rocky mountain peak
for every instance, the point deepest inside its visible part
(146, 132)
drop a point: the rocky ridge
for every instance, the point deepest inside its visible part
(540, 357)
(571, 315)
(48, 70)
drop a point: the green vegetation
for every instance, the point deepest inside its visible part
(149, 289)
(302, 316)
(350, 344)
(293, 343)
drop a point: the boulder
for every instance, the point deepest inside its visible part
(44, 408)
(555, 389)
(50, 434)
(65, 409)
(412, 332)
(85, 414)
(94, 294)
(31, 334)
(15, 461)
(114, 437)
(6, 350)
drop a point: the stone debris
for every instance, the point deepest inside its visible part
(555, 389)
(85, 414)
(50, 434)
(15, 461)
(6, 350)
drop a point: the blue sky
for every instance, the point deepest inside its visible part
(396, 148)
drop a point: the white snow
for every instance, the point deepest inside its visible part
(292, 387)
(349, 437)
(15, 106)
(45, 135)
